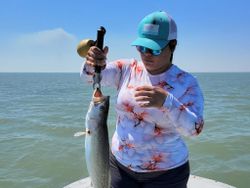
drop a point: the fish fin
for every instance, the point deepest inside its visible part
(82, 133)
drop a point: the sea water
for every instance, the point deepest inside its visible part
(40, 112)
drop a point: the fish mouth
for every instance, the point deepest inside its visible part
(98, 97)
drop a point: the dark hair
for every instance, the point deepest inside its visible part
(172, 44)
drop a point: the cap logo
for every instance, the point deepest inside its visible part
(151, 29)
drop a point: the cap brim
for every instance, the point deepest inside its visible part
(149, 43)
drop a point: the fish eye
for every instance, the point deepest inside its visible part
(102, 108)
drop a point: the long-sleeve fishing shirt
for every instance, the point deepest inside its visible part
(149, 139)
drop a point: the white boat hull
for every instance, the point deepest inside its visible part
(193, 182)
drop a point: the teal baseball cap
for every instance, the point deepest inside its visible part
(156, 30)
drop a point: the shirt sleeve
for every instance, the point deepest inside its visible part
(186, 111)
(111, 75)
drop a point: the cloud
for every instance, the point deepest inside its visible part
(47, 37)
(44, 51)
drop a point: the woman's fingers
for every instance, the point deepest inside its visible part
(96, 57)
(105, 50)
(150, 96)
(143, 93)
(144, 88)
(142, 98)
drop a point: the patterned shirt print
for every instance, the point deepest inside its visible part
(149, 139)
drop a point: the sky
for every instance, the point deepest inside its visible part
(42, 35)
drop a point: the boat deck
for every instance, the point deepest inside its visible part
(193, 182)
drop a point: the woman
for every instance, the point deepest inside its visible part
(157, 103)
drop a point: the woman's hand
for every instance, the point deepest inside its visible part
(96, 57)
(150, 96)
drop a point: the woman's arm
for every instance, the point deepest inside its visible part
(186, 112)
(111, 74)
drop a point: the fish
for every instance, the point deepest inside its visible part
(97, 140)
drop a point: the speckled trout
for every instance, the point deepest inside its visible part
(97, 141)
